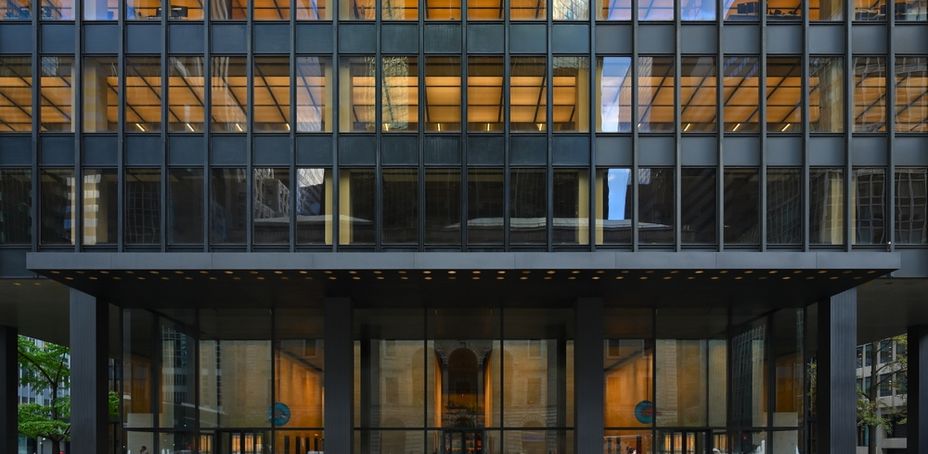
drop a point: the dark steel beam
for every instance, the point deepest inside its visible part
(9, 390)
(836, 394)
(916, 400)
(89, 409)
(588, 370)
(339, 375)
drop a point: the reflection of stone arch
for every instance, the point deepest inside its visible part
(464, 387)
(392, 441)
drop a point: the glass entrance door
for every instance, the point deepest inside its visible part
(462, 441)
(684, 442)
(243, 442)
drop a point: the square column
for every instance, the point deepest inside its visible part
(89, 400)
(9, 389)
(836, 389)
(339, 375)
(916, 400)
(588, 375)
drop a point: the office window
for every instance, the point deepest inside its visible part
(229, 89)
(784, 10)
(100, 92)
(485, 94)
(271, 205)
(186, 94)
(480, 10)
(741, 10)
(357, 94)
(15, 93)
(314, 206)
(407, 10)
(486, 195)
(16, 10)
(655, 94)
(227, 205)
(442, 94)
(100, 10)
(143, 94)
(357, 9)
(571, 206)
(911, 10)
(698, 93)
(698, 196)
(869, 94)
(527, 94)
(742, 94)
(313, 10)
(57, 10)
(528, 9)
(56, 75)
(911, 94)
(826, 94)
(442, 206)
(570, 10)
(141, 10)
(357, 216)
(223, 10)
(784, 94)
(868, 212)
(655, 206)
(271, 94)
(99, 206)
(618, 10)
(527, 206)
(186, 9)
(657, 10)
(264, 10)
(614, 94)
(184, 206)
(57, 197)
(911, 205)
(16, 206)
(826, 10)
(571, 82)
(742, 206)
(826, 206)
(784, 206)
(697, 10)
(613, 207)
(143, 206)
(443, 9)
(869, 10)
(400, 94)
(400, 205)
(313, 94)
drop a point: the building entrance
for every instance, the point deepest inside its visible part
(463, 441)
(684, 442)
(243, 442)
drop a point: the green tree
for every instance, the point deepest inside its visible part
(872, 412)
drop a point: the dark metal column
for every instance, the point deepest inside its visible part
(588, 373)
(836, 390)
(9, 389)
(89, 322)
(339, 375)
(917, 402)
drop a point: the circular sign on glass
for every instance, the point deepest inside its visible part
(280, 414)
(644, 412)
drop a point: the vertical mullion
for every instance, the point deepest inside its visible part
(291, 129)
(335, 97)
(634, 86)
(848, 109)
(506, 129)
(249, 127)
(890, 122)
(464, 178)
(591, 129)
(35, 64)
(720, 122)
(378, 130)
(196, 376)
(165, 73)
(420, 129)
(207, 123)
(121, 127)
(804, 103)
(549, 124)
(678, 173)
(762, 123)
(77, 117)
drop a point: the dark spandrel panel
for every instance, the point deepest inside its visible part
(868, 206)
(826, 206)
(741, 38)
(741, 151)
(826, 151)
(742, 206)
(571, 150)
(357, 38)
(485, 150)
(228, 38)
(442, 206)
(784, 206)
(486, 195)
(442, 38)
(656, 38)
(271, 150)
(400, 150)
(271, 205)
(17, 150)
(869, 151)
(16, 206)
(655, 206)
(784, 39)
(356, 150)
(528, 150)
(186, 150)
(656, 151)
(142, 206)
(399, 38)
(99, 151)
(58, 38)
(527, 38)
(185, 206)
(698, 197)
(699, 150)
(185, 38)
(99, 206)
(272, 38)
(101, 38)
(869, 38)
(228, 196)
(56, 150)
(528, 206)
(314, 38)
(314, 150)
(400, 206)
(442, 150)
(570, 38)
(144, 150)
(485, 38)
(613, 151)
(912, 39)
(15, 38)
(614, 38)
(227, 150)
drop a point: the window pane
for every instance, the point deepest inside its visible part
(357, 94)
(313, 94)
(57, 10)
(143, 206)
(485, 94)
(571, 217)
(99, 206)
(400, 94)
(869, 94)
(628, 441)
(16, 206)
(229, 94)
(15, 93)
(613, 206)
(185, 206)
(699, 205)
(299, 371)
(571, 10)
(443, 9)
(911, 94)
(443, 94)
(242, 383)
(485, 197)
(784, 94)
(742, 206)
(870, 10)
(186, 94)
(357, 9)
(784, 10)
(826, 213)
(656, 10)
(749, 374)
(826, 94)
(868, 212)
(442, 206)
(227, 195)
(787, 341)
(527, 10)
(655, 206)
(628, 366)
(16, 10)
(698, 92)
(400, 205)
(681, 372)
(528, 206)
(479, 10)
(742, 94)
(614, 93)
(826, 10)
(614, 10)
(399, 9)
(100, 9)
(911, 10)
(100, 83)
(143, 94)
(655, 94)
(314, 204)
(143, 10)
(571, 83)
(527, 93)
(271, 10)
(271, 94)
(313, 9)
(271, 206)
(784, 206)
(228, 9)
(356, 206)
(56, 93)
(741, 10)
(186, 9)
(58, 193)
(139, 347)
(178, 371)
(703, 10)
(911, 206)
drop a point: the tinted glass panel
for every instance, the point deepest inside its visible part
(528, 94)
(271, 9)
(697, 10)
(614, 93)
(742, 206)
(271, 85)
(571, 81)
(527, 206)
(749, 374)
(299, 373)
(485, 197)
(228, 196)
(228, 9)
(911, 94)
(58, 194)
(15, 92)
(443, 94)
(655, 206)
(16, 206)
(185, 206)
(16, 10)
(143, 10)
(657, 10)
(570, 10)
(826, 10)
(741, 10)
(571, 216)
(698, 94)
(357, 218)
(99, 206)
(229, 93)
(399, 9)
(742, 94)
(869, 10)
(442, 206)
(186, 94)
(869, 94)
(357, 9)
(357, 94)
(628, 366)
(826, 94)
(143, 94)
(527, 9)
(699, 206)
(784, 206)
(911, 10)
(826, 211)
(143, 206)
(100, 85)
(485, 94)
(614, 10)
(56, 94)
(178, 370)
(787, 346)
(186, 9)
(57, 10)
(314, 204)
(100, 9)
(911, 206)
(313, 94)
(313, 9)
(400, 94)
(788, 10)
(400, 205)
(655, 94)
(139, 344)
(443, 9)
(485, 10)
(271, 206)
(623, 441)
(868, 212)
(784, 94)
